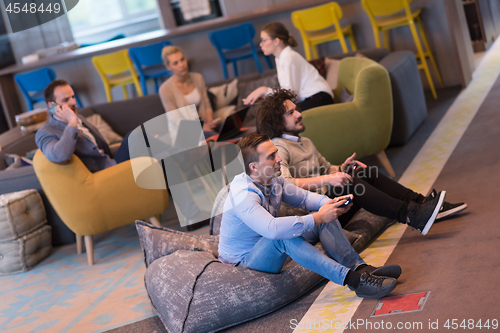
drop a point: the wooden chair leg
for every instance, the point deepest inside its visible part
(89, 246)
(79, 244)
(382, 157)
(154, 221)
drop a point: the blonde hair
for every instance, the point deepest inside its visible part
(168, 50)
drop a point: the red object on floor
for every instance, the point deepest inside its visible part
(400, 304)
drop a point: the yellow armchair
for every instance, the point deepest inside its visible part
(91, 203)
(364, 125)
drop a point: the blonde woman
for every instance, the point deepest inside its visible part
(184, 88)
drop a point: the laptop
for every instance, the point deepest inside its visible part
(231, 127)
(189, 134)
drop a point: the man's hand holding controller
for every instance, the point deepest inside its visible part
(331, 210)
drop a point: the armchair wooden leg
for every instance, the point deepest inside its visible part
(79, 244)
(154, 221)
(382, 157)
(89, 246)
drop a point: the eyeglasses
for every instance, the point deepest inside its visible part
(263, 40)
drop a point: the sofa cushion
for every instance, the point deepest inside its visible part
(332, 69)
(125, 116)
(157, 242)
(345, 96)
(319, 64)
(375, 54)
(224, 94)
(103, 127)
(266, 79)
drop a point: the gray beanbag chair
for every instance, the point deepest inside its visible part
(192, 291)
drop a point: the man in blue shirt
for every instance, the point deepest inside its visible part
(252, 236)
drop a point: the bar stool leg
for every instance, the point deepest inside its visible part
(350, 35)
(315, 51)
(125, 93)
(422, 58)
(428, 49)
(386, 40)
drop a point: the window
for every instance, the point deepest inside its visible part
(102, 19)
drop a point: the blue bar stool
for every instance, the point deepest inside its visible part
(147, 60)
(235, 44)
(33, 83)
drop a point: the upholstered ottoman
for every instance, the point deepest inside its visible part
(25, 237)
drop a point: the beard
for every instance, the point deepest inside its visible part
(295, 131)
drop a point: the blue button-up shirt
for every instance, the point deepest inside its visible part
(251, 210)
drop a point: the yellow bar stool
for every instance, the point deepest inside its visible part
(116, 69)
(315, 26)
(388, 14)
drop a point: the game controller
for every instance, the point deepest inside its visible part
(348, 199)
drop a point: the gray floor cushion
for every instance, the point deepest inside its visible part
(192, 291)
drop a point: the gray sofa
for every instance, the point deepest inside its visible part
(122, 116)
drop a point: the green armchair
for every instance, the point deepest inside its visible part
(364, 125)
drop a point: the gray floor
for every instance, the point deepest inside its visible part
(279, 321)
(457, 261)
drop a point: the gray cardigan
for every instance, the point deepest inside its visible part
(58, 142)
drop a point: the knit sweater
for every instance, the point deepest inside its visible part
(300, 158)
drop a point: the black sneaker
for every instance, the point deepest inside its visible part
(422, 216)
(449, 209)
(371, 286)
(431, 196)
(393, 271)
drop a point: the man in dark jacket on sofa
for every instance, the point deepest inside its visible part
(66, 133)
